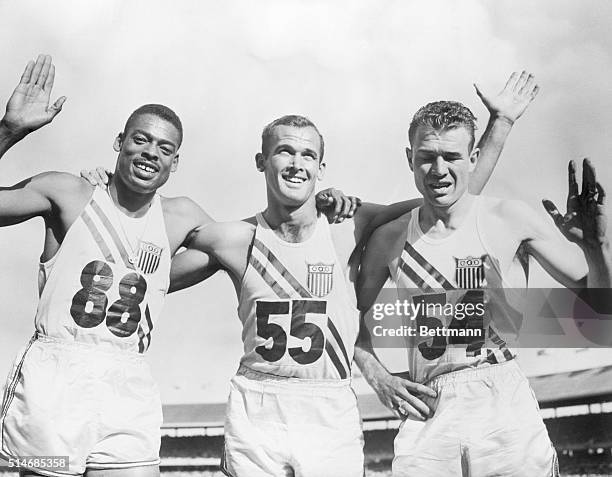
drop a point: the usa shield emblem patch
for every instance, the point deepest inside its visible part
(470, 272)
(149, 256)
(320, 279)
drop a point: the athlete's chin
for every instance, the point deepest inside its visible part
(145, 186)
(441, 199)
(294, 197)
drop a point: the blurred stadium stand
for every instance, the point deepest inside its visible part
(577, 407)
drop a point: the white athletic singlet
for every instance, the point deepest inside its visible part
(295, 306)
(462, 284)
(107, 282)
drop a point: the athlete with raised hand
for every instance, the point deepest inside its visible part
(461, 249)
(81, 387)
(291, 409)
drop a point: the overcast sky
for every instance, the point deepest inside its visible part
(358, 69)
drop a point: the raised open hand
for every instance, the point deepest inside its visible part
(29, 106)
(513, 100)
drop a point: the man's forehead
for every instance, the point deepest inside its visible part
(291, 134)
(155, 126)
(454, 137)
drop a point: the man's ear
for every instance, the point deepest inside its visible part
(321, 172)
(175, 162)
(475, 154)
(409, 156)
(259, 161)
(118, 142)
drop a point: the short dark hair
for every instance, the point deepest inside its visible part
(443, 115)
(293, 120)
(161, 111)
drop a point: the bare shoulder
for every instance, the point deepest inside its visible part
(67, 192)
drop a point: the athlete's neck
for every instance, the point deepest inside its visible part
(132, 204)
(292, 224)
(439, 222)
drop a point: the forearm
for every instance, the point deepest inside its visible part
(8, 138)
(372, 216)
(599, 260)
(366, 359)
(595, 288)
(491, 145)
(369, 365)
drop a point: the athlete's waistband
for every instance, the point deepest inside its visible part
(271, 379)
(103, 347)
(479, 373)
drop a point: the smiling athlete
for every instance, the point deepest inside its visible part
(81, 388)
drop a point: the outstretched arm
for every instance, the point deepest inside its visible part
(29, 108)
(504, 109)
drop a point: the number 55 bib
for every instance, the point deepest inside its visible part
(107, 282)
(295, 306)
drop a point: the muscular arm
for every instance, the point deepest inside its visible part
(190, 268)
(25, 200)
(184, 219)
(491, 144)
(45, 195)
(212, 247)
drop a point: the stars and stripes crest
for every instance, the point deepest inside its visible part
(470, 272)
(320, 278)
(149, 256)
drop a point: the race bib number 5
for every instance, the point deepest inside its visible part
(468, 330)
(311, 335)
(89, 304)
